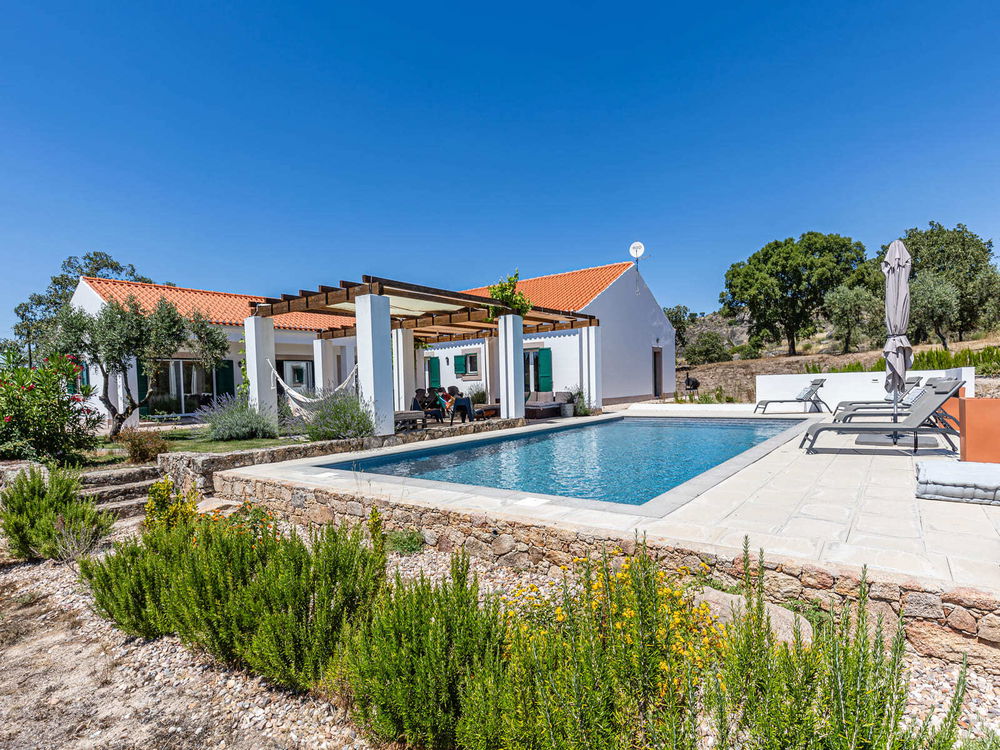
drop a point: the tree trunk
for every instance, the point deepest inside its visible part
(847, 343)
(942, 337)
(791, 344)
(117, 418)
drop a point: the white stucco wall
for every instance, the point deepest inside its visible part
(632, 324)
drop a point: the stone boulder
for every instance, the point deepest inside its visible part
(724, 607)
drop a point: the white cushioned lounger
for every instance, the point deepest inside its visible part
(958, 481)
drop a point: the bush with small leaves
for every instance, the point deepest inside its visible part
(233, 418)
(142, 446)
(38, 511)
(165, 507)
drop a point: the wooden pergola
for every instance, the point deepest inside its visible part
(434, 315)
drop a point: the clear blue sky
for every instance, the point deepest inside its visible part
(262, 148)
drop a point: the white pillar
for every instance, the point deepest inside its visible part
(259, 334)
(511, 346)
(348, 358)
(491, 367)
(324, 365)
(404, 377)
(375, 359)
(590, 366)
(419, 369)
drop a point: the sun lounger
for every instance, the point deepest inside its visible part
(909, 384)
(923, 419)
(808, 395)
(965, 482)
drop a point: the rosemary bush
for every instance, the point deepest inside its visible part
(406, 666)
(337, 417)
(233, 418)
(37, 512)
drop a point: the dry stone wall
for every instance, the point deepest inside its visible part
(940, 621)
(195, 470)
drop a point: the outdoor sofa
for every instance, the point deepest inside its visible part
(545, 404)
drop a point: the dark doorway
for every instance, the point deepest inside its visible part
(657, 372)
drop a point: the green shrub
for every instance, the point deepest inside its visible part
(407, 542)
(36, 511)
(478, 395)
(164, 507)
(43, 411)
(707, 347)
(235, 419)
(130, 584)
(242, 592)
(612, 661)
(406, 666)
(142, 446)
(337, 417)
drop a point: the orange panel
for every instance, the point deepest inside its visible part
(980, 419)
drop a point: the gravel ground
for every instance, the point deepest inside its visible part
(71, 680)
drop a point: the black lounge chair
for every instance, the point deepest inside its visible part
(926, 418)
(908, 385)
(808, 395)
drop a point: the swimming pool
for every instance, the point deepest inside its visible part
(627, 461)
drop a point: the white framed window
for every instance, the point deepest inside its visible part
(472, 363)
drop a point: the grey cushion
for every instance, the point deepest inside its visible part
(962, 481)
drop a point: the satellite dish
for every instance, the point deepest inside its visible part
(636, 249)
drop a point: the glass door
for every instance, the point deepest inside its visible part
(531, 370)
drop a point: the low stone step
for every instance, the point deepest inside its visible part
(119, 475)
(212, 504)
(107, 493)
(128, 508)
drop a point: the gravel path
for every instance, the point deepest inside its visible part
(71, 680)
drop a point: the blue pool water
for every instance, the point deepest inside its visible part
(622, 461)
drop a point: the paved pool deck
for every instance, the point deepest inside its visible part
(844, 505)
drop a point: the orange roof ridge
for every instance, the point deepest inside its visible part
(170, 286)
(567, 290)
(625, 264)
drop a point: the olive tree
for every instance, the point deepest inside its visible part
(854, 312)
(934, 306)
(123, 333)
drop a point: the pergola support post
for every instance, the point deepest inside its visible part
(259, 335)
(348, 358)
(511, 346)
(403, 368)
(324, 365)
(491, 366)
(375, 360)
(590, 366)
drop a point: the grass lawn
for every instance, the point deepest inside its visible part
(195, 439)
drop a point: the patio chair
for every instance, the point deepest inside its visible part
(883, 410)
(808, 395)
(909, 384)
(925, 418)
(420, 402)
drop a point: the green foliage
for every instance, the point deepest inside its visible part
(233, 418)
(41, 417)
(36, 511)
(708, 347)
(854, 312)
(143, 446)
(781, 287)
(680, 318)
(478, 395)
(752, 349)
(406, 666)
(37, 316)
(845, 690)
(934, 306)
(121, 333)
(241, 591)
(167, 508)
(961, 258)
(339, 416)
(506, 291)
(406, 542)
(580, 406)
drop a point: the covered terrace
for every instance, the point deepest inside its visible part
(393, 320)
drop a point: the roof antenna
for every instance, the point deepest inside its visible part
(636, 249)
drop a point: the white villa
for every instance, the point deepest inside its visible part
(599, 329)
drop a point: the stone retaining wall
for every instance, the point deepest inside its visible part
(195, 470)
(940, 621)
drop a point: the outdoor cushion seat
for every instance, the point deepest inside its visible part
(414, 418)
(963, 481)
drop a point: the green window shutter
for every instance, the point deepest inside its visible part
(544, 370)
(225, 381)
(460, 364)
(434, 372)
(143, 386)
(85, 374)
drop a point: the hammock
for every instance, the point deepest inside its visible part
(303, 406)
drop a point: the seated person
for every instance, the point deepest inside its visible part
(428, 405)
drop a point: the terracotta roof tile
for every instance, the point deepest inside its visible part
(222, 308)
(572, 290)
